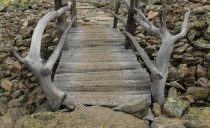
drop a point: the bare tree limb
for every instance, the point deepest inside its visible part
(143, 17)
(154, 71)
(125, 2)
(150, 29)
(184, 26)
(119, 18)
(117, 7)
(36, 64)
(34, 52)
(18, 57)
(48, 66)
(163, 19)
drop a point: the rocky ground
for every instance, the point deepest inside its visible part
(188, 85)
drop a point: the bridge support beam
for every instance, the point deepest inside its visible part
(131, 25)
(74, 13)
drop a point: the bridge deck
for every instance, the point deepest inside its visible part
(98, 70)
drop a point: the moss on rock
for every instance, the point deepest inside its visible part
(82, 117)
(199, 117)
(175, 107)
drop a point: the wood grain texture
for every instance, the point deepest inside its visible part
(98, 70)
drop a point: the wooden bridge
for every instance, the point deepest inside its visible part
(96, 64)
(98, 70)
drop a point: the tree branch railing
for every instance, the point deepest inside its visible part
(40, 68)
(159, 70)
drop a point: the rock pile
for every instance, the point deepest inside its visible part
(18, 86)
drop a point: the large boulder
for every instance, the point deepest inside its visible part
(163, 122)
(82, 117)
(175, 107)
(198, 117)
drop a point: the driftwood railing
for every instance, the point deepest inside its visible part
(159, 71)
(40, 68)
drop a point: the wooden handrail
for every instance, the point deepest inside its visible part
(40, 68)
(159, 70)
(61, 21)
(130, 24)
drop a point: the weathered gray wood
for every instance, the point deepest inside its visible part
(96, 63)
(110, 83)
(131, 25)
(154, 70)
(36, 64)
(61, 21)
(94, 68)
(91, 55)
(117, 7)
(108, 59)
(143, 87)
(95, 56)
(104, 100)
(163, 57)
(109, 75)
(74, 13)
(98, 51)
(95, 45)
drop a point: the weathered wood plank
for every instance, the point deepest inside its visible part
(87, 77)
(108, 59)
(92, 64)
(82, 56)
(105, 100)
(82, 44)
(98, 51)
(94, 68)
(106, 83)
(84, 88)
(95, 55)
(124, 72)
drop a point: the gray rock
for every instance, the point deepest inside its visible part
(172, 92)
(181, 49)
(175, 107)
(176, 85)
(207, 33)
(198, 93)
(198, 117)
(81, 117)
(201, 44)
(203, 82)
(163, 122)
(8, 120)
(138, 108)
(25, 32)
(150, 49)
(3, 109)
(7, 85)
(156, 109)
(150, 116)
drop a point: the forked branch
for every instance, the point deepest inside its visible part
(154, 71)
(48, 66)
(119, 18)
(166, 48)
(40, 69)
(184, 26)
(34, 52)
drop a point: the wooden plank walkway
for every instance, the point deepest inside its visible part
(98, 70)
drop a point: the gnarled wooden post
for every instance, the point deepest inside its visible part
(61, 21)
(131, 24)
(159, 71)
(74, 13)
(117, 7)
(40, 68)
(166, 48)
